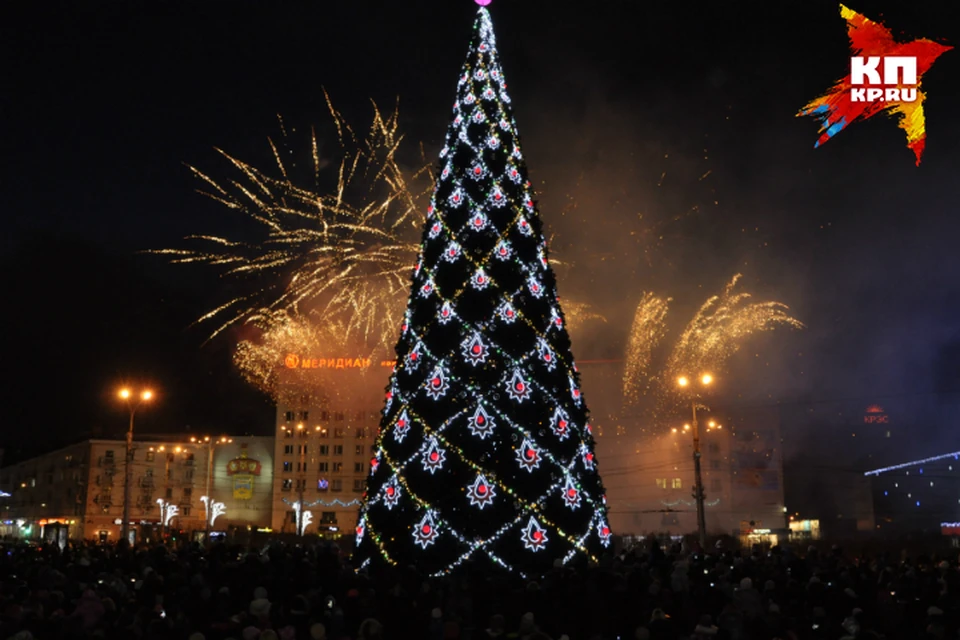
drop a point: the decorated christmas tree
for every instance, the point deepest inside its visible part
(485, 452)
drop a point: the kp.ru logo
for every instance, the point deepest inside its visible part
(867, 85)
(885, 75)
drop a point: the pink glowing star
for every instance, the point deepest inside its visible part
(483, 3)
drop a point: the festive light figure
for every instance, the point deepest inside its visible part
(213, 509)
(302, 517)
(489, 415)
(167, 512)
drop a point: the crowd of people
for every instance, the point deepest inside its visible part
(309, 592)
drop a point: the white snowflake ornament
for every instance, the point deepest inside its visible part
(534, 535)
(478, 172)
(427, 289)
(534, 287)
(603, 530)
(437, 385)
(497, 198)
(571, 495)
(415, 356)
(547, 356)
(517, 388)
(528, 455)
(481, 424)
(446, 313)
(588, 458)
(481, 492)
(425, 533)
(478, 221)
(391, 494)
(507, 313)
(525, 227)
(452, 252)
(402, 427)
(434, 457)
(560, 425)
(480, 279)
(474, 350)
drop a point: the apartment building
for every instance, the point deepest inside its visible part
(78, 491)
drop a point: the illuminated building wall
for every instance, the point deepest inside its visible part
(80, 488)
(242, 480)
(328, 416)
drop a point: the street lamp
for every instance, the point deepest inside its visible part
(684, 382)
(133, 401)
(208, 503)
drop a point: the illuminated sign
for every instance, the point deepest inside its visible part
(293, 361)
(876, 415)
(243, 471)
(950, 528)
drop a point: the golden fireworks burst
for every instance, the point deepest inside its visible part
(341, 256)
(719, 329)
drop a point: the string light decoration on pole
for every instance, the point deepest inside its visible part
(211, 444)
(167, 512)
(698, 493)
(302, 517)
(133, 401)
(212, 510)
(485, 452)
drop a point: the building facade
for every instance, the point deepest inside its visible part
(328, 418)
(77, 492)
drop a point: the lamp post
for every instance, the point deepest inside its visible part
(211, 445)
(133, 401)
(683, 382)
(301, 472)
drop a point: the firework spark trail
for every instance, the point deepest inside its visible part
(341, 255)
(648, 329)
(717, 331)
(281, 334)
(720, 328)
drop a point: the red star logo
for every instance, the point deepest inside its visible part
(844, 103)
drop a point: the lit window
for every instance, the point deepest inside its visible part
(337, 467)
(662, 483)
(287, 485)
(677, 483)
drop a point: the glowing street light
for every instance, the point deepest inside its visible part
(128, 396)
(684, 382)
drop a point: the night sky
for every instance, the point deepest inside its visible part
(623, 107)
